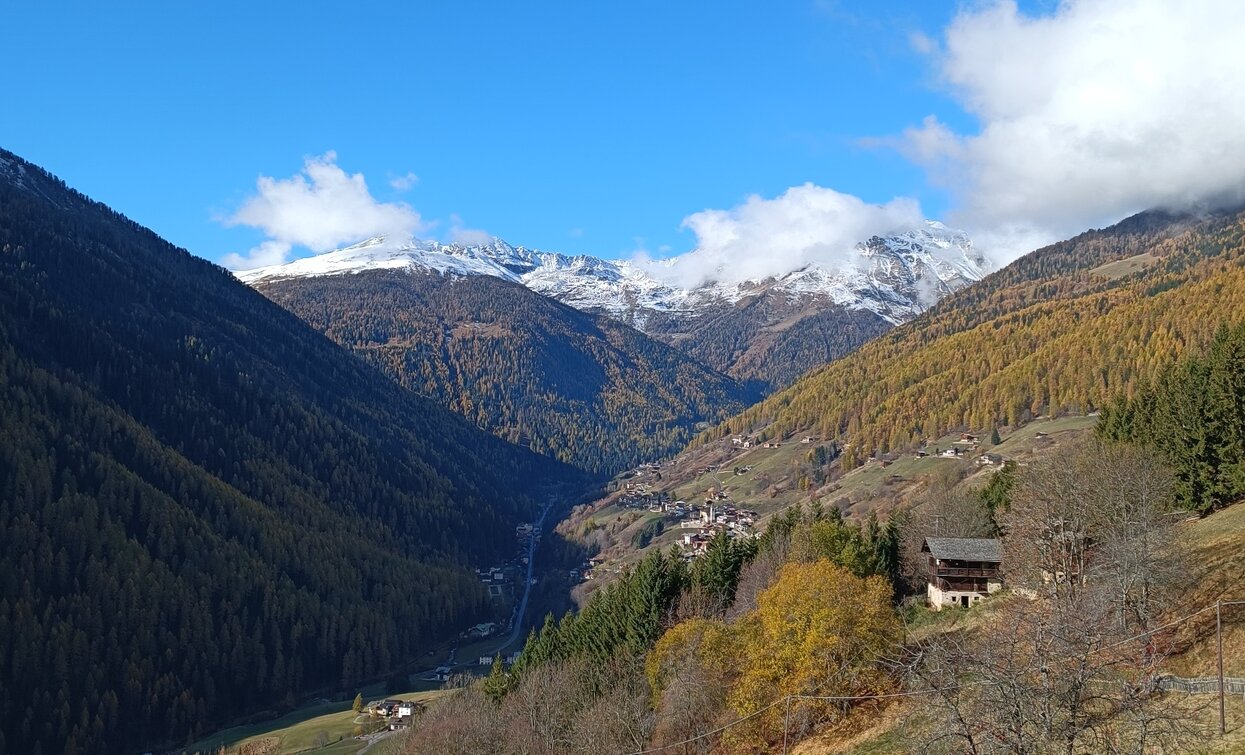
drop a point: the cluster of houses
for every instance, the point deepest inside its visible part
(648, 471)
(710, 520)
(744, 441)
(398, 714)
(482, 631)
(496, 578)
(500, 580)
(646, 501)
(967, 445)
(587, 570)
(525, 533)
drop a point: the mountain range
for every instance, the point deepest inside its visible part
(1066, 328)
(764, 331)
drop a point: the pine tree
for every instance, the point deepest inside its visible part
(717, 572)
(498, 682)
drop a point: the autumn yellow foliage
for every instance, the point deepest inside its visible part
(707, 643)
(819, 630)
(1044, 336)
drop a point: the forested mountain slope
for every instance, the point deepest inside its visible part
(770, 338)
(577, 386)
(1058, 330)
(206, 507)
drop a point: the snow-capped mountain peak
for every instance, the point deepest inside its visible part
(895, 277)
(381, 253)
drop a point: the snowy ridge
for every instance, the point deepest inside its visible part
(896, 277)
(379, 254)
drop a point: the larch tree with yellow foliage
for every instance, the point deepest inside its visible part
(818, 631)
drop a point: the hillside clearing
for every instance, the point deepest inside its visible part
(1126, 266)
(297, 731)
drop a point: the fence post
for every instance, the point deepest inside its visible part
(786, 724)
(1219, 643)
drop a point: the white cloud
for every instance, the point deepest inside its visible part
(1095, 111)
(922, 43)
(467, 236)
(404, 183)
(318, 209)
(267, 253)
(761, 237)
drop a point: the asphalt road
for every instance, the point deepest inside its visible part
(516, 629)
(517, 624)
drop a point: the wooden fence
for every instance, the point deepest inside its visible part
(1208, 685)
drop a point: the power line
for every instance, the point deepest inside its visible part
(718, 730)
(1156, 630)
(914, 693)
(786, 698)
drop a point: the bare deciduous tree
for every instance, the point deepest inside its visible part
(560, 707)
(465, 722)
(757, 576)
(620, 719)
(1050, 676)
(1070, 670)
(1099, 514)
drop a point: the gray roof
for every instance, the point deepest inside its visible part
(965, 548)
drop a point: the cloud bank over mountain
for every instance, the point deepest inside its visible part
(319, 208)
(806, 226)
(1086, 113)
(1096, 110)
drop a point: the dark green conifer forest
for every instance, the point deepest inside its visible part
(207, 508)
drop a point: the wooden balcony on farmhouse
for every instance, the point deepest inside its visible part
(986, 572)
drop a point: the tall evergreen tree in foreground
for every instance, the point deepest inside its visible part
(1194, 415)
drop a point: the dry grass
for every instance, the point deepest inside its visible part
(870, 731)
(1127, 266)
(297, 731)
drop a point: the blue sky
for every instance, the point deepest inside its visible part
(529, 120)
(574, 126)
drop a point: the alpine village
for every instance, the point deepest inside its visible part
(948, 458)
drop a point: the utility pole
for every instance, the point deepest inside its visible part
(786, 724)
(1219, 642)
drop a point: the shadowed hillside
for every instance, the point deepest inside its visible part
(580, 387)
(208, 508)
